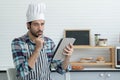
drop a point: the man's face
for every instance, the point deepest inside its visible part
(36, 28)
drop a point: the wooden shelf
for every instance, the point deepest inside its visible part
(112, 56)
(78, 47)
(90, 63)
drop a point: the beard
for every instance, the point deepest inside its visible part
(37, 33)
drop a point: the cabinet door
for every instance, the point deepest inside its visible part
(112, 75)
(86, 75)
(3, 76)
(57, 76)
(95, 76)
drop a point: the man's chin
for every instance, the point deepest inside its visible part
(40, 35)
(37, 36)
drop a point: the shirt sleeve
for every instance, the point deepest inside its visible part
(57, 65)
(19, 57)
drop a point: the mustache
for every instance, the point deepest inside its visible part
(39, 31)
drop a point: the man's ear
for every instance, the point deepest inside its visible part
(28, 25)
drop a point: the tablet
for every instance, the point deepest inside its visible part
(58, 54)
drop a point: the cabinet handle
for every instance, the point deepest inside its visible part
(101, 75)
(108, 75)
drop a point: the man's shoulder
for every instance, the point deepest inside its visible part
(21, 39)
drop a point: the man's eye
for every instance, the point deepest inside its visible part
(42, 24)
(36, 24)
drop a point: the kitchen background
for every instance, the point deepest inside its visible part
(100, 16)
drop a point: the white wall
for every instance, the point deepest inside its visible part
(101, 16)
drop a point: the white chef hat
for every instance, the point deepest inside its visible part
(36, 12)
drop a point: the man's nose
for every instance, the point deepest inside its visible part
(40, 27)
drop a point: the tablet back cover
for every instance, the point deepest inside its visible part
(58, 54)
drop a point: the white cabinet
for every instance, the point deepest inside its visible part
(112, 76)
(3, 76)
(57, 76)
(94, 75)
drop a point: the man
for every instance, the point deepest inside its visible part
(33, 52)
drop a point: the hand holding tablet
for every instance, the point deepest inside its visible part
(59, 52)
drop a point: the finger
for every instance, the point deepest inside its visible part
(71, 45)
(40, 36)
(41, 39)
(68, 51)
(67, 54)
(67, 47)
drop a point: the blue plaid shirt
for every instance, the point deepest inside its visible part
(20, 55)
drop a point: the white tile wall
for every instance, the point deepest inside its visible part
(101, 16)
